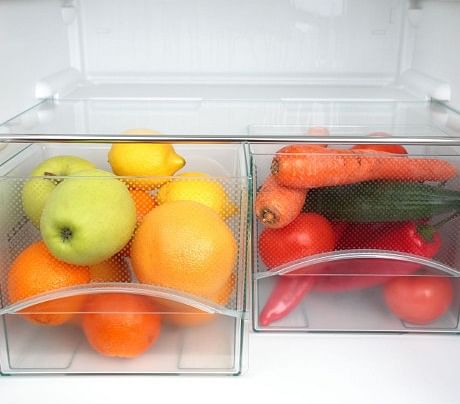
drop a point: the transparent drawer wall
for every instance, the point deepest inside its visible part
(387, 258)
(168, 329)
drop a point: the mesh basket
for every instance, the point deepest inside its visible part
(188, 254)
(169, 248)
(335, 227)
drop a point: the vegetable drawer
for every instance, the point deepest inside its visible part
(104, 273)
(356, 238)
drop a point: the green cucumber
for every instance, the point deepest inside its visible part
(382, 201)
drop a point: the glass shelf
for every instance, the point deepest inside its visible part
(240, 118)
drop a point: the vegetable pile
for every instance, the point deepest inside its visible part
(369, 197)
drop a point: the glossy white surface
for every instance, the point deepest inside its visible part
(325, 41)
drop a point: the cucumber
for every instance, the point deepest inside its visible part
(381, 201)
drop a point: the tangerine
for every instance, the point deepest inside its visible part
(143, 201)
(120, 324)
(115, 269)
(36, 271)
(126, 250)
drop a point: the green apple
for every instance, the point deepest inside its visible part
(88, 218)
(37, 190)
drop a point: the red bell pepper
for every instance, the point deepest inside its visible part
(415, 238)
(419, 239)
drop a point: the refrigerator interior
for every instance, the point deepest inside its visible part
(237, 68)
(227, 67)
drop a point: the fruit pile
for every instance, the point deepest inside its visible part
(139, 222)
(373, 197)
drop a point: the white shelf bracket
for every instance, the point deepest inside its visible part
(58, 83)
(427, 86)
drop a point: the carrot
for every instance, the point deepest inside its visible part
(389, 148)
(416, 169)
(277, 206)
(303, 166)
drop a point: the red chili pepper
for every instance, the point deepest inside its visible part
(289, 290)
(287, 294)
(415, 238)
(419, 239)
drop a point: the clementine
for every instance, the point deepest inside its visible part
(120, 325)
(115, 269)
(126, 250)
(144, 202)
(36, 271)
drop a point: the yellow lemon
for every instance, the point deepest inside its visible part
(144, 159)
(198, 187)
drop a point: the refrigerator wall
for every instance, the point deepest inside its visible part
(436, 30)
(296, 49)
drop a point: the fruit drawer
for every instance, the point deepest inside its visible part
(114, 261)
(356, 238)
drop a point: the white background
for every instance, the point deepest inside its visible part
(317, 369)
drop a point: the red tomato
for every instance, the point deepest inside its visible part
(388, 148)
(308, 234)
(418, 299)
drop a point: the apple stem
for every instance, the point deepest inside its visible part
(47, 174)
(66, 234)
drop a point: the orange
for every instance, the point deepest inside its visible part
(126, 250)
(184, 315)
(186, 246)
(143, 201)
(119, 324)
(36, 271)
(115, 269)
